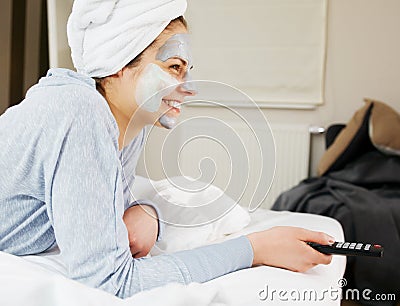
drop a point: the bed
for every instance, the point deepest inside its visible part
(39, 280)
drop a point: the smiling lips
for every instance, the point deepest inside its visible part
(175, 105)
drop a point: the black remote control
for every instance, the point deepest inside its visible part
(349, 249)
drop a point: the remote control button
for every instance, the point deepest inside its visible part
(377, 246)
(346, 245)
(339, 244)
(359, 246)
(367, 247)
(352, 245)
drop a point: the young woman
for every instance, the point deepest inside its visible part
(68, 155)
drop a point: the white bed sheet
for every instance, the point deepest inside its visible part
(38, 280)
(323, 283)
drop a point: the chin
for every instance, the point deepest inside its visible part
(167, 121)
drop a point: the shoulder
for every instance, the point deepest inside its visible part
(67, 94)
(64, 97)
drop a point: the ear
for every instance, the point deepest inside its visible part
(121, 72)
(118, 74)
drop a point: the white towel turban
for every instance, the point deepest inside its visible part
(105, 35)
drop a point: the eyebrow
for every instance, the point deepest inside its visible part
(185, 62)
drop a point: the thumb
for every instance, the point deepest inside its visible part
(318, 237)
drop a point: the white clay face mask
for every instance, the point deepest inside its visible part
(167, 121)
(152, 86)
(155, 84)
(179, 46)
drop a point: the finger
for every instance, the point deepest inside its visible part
(320, 258)
(140, 254)
(318, 237)
(326, 260)
(316, 257)
(135, 250)
(305, 267)
(139, 251)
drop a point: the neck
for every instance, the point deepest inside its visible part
(128, 129)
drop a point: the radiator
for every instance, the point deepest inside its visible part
(292, 143)
(208, 158)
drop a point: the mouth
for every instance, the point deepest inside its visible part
(173, 104)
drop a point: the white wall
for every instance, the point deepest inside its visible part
(59, 51)
(363, 60)
(363, 55)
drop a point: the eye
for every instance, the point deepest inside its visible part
(176, 67)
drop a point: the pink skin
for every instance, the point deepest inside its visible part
(172, 113)
(283, 247)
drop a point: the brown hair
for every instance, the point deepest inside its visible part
(135, 61)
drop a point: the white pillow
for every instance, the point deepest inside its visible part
(194, 213)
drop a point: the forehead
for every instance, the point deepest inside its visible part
(178, 45)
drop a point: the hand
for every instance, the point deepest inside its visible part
(286, 247)
(142, 224)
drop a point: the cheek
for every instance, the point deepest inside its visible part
(153, 84)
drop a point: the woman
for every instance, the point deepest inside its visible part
(66, 146)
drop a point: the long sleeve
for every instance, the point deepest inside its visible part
(129, 157)
(208, 262)
(61, 181)
(87, 207)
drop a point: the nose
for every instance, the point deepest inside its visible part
(188, 88)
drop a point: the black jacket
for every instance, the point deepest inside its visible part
(365, 198)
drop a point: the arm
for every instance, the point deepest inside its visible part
(287, 244)
(87, 208)
(145, 216)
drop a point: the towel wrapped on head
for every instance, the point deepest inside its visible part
(105, 35)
